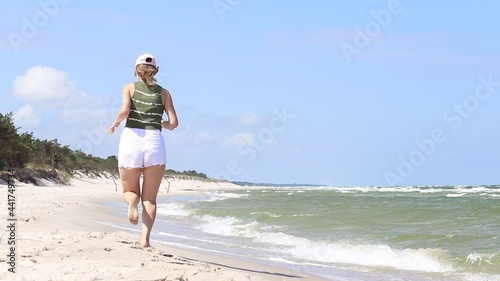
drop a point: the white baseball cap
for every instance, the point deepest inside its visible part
(146, 59)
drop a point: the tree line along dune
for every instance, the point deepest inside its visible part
(32, 158)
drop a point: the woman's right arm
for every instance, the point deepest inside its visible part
(168, 106)
(124, 108)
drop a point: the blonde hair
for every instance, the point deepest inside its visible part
(147, 72)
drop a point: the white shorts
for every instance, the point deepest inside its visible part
(140, 148)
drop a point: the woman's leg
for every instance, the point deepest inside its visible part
(150, 185)
(131, 191)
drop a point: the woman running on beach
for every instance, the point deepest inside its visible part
(142, 149)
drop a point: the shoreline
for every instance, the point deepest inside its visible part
(60, 237)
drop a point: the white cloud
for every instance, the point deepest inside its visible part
(297, 150)
(58, 96)
(239, 139)
(249, 119)
(70, 114)
(26, 117)
(43, 84)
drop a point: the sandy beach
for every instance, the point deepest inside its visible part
(60, 236)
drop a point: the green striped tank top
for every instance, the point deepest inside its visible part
(146, 109)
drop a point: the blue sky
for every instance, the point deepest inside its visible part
(325, 92)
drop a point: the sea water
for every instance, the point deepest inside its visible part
(344, 233)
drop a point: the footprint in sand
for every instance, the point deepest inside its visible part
(126, 242)
(28, 219)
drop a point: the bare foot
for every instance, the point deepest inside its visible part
(133, 214)
(145, 243)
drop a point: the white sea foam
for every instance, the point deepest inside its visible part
(478, 277)
(405, 189)
(427, 260)
(432, 190)
(481, 258)
(227, 226)
(282, 260)
(187, 246)
(206, 241)
(269, 214)
(173, 209)
(455, 194)
(303, 215)
(279, 238)
(366, 189)
(476, 189)
(271, 227)
(218, 195)
(372, 255)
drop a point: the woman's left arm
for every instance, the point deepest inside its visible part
(168, 106)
